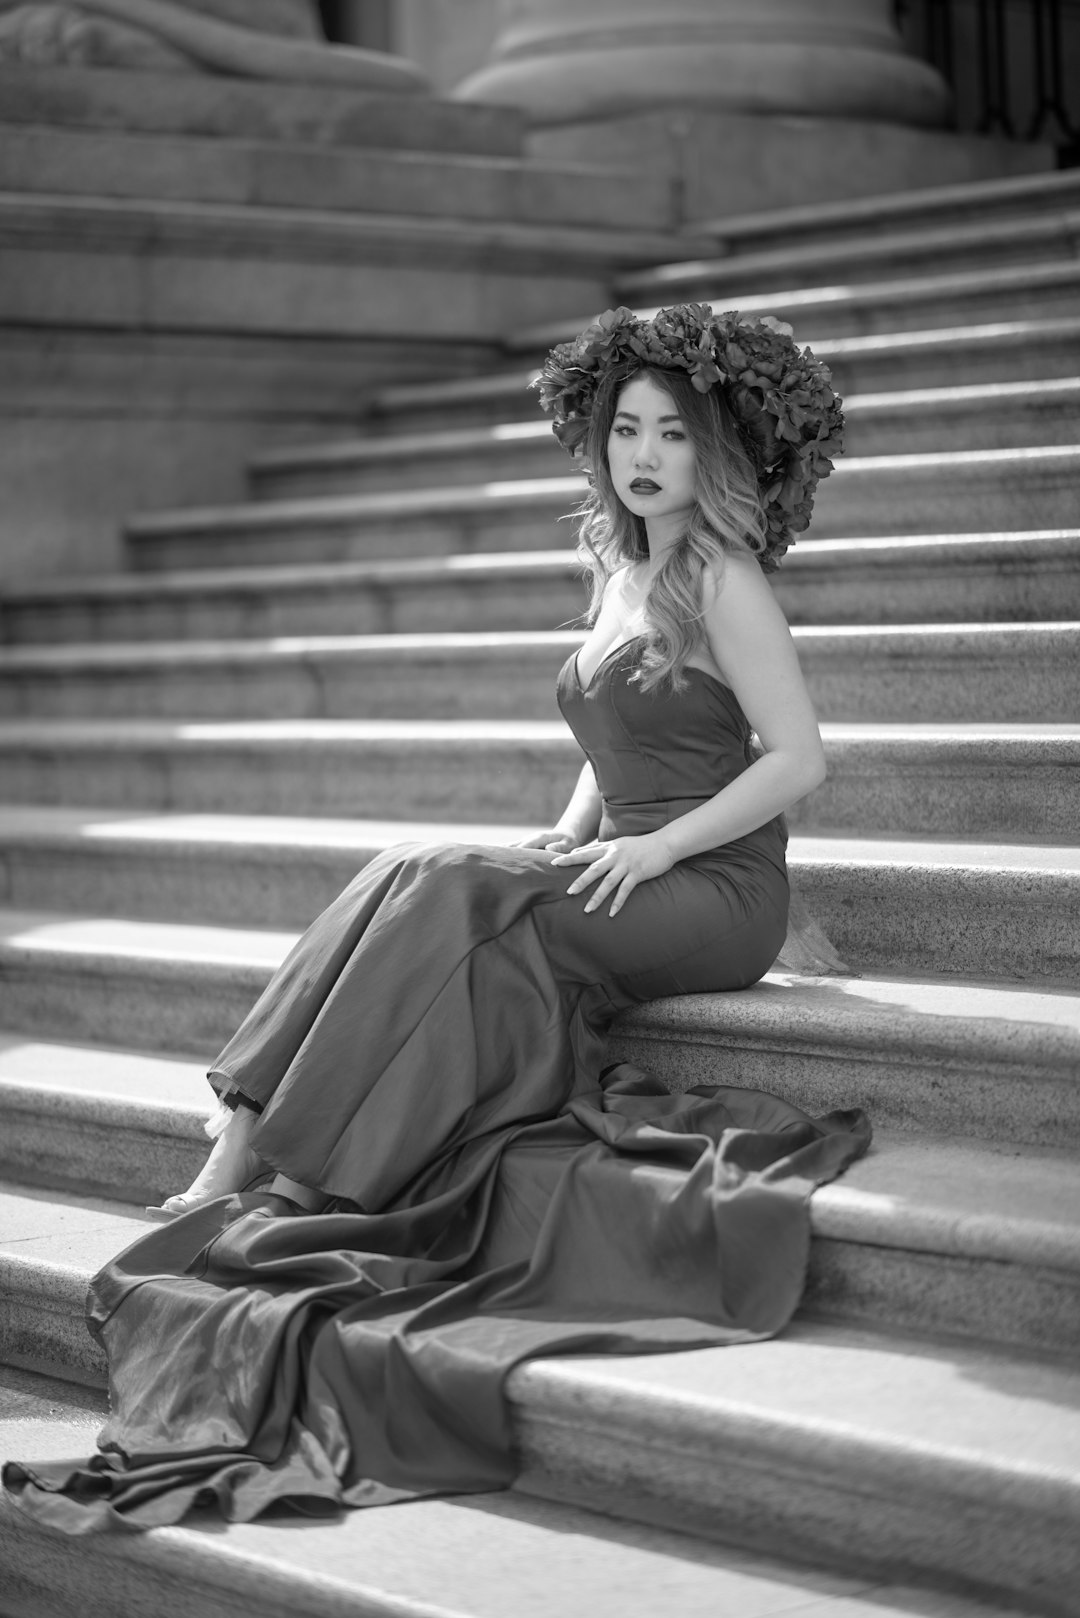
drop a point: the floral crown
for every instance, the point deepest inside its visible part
(781, 397)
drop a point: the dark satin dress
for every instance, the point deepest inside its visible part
(431, 1055)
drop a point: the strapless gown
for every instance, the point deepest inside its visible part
(432, 1056)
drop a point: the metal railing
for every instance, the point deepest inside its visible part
(1013, 65)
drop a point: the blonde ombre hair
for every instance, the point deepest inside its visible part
(727, 515)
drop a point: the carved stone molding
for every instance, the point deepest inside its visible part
(260, 39)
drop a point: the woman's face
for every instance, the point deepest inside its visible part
(652, 461)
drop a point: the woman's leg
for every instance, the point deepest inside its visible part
(452, 990)
(231, 1164)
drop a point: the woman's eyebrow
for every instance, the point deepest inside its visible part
(631, 417)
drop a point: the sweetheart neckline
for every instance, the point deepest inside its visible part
(585, 689)
(688, 668)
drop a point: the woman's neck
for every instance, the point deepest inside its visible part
(662, 535)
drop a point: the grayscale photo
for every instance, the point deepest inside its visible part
(540, 809)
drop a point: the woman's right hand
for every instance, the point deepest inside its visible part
(555, 842)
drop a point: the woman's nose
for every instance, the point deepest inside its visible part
(645, 451)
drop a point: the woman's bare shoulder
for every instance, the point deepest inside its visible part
(734, 582)
(619, 586)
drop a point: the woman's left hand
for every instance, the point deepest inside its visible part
(617, 865)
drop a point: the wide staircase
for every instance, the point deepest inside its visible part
(197, 753)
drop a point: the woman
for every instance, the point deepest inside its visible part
(427, 1067)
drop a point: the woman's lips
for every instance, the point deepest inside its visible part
(644, 486)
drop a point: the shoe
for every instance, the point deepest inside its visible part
(232, 1164)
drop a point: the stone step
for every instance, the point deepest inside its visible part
(1049, 235)
(521, 515)
(477, 1556)
(827, 1436)
(87, 263)
(1004, 415)
(974, 781)
(1025, 291)
(964, 1056)
(1000, 577)
(511, 590)
(995, 352)
(1019, 199)
(101, 1121)
(234, 108)
(931, 1235)
(932, 578)
(980, 909)
(913, 672)
(312, 176)
(966, 491)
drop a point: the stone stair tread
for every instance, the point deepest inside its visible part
(470, 1557)
(802, 301)
(98, 1073)
(888, 549)
(62, 1233)
(938, 199)
(512, 492)
(334, 453)
(409, 645)
(954, 1015)
(955, 338)
(108, 586)
(513, 384)
(511, 564)
(955, 1012)
(507, 492)
(962, 1198)
(112, 937)
(178, 732)
(69, 1236)
(1012, 638)
(985, 779)
(62, 824)
(1052, 227)
(51, 823)
(404, 397)
(304, 174)
(254, 227)
(124, 733)
(904, 904)
(1054, 388)
(919, 550)
(401, 446)
(825, 1392)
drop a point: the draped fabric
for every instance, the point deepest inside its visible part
(431, 1056)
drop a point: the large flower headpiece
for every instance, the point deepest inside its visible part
(781, 397)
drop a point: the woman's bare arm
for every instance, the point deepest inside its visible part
(752, 645)
(579, 821)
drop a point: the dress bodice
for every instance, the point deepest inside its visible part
(658, 754)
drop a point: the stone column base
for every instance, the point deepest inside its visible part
(726, 164)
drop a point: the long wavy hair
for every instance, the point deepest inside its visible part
(727, 514)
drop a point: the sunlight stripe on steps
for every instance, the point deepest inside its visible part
(148, 940)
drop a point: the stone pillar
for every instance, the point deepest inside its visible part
(745, 105)
(565, 61)
(254, 39)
